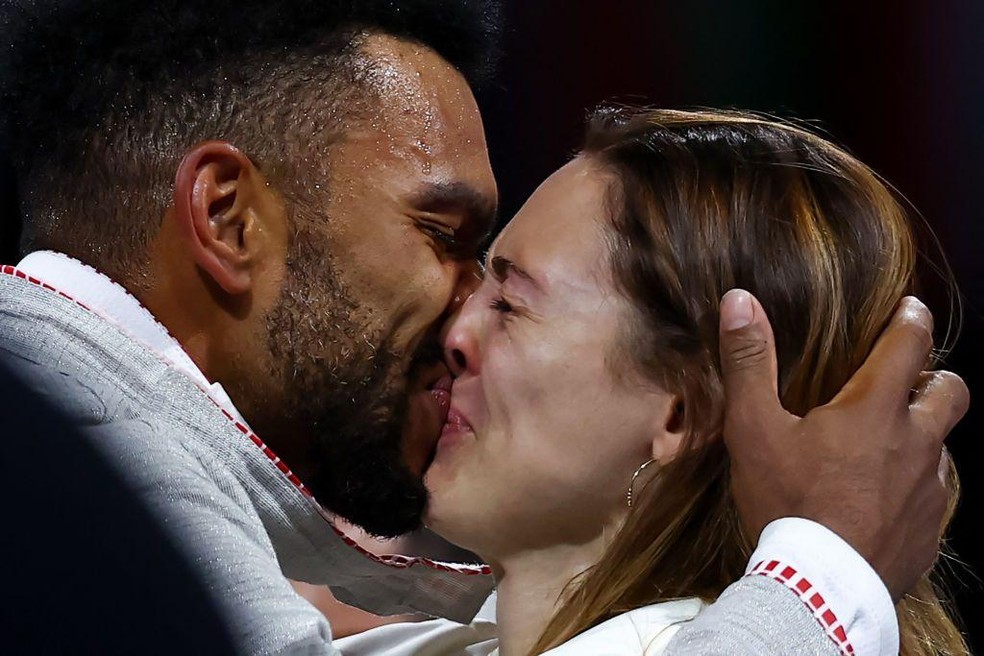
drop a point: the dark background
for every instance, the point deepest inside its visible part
(899, 83)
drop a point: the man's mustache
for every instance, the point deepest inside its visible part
(428, 353)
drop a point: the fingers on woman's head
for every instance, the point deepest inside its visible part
(902, 351)
(938, 401)
(748, 357)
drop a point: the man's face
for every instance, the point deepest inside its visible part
(371, 273)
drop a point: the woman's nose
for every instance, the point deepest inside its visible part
(460, 340)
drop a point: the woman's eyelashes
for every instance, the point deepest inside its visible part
(501, 305)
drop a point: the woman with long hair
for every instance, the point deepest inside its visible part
(582, 458)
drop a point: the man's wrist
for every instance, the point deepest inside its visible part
(843, 591)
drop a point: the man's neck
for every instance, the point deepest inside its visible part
(530, 586)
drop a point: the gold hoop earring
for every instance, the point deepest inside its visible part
(628, 495)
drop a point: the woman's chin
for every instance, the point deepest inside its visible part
(452, 439)
(444, 524)
(449, 511)
(451, 485)
(440, 492)
(449, 460)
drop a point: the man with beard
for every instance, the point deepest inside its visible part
(245, 223)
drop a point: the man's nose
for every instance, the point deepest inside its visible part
(469, 278)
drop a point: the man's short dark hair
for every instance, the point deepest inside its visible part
(102, 97)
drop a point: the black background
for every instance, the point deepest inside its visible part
(900, 83)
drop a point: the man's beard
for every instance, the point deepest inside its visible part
(350, 391)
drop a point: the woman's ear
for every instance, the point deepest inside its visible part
(228, 216)
(668, 435)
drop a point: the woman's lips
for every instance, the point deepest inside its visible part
(456, 420)
(456, 426)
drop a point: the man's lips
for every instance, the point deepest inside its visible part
(438, 424)
(441, 391)
(428, 413)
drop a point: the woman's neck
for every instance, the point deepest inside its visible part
(529, 588)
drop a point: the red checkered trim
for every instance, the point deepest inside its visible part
(405, 562)
(397, 561)
(17, 273)
(792, 579)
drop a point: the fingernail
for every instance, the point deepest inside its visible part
(736, 309)
(912, 306)
(915, 311)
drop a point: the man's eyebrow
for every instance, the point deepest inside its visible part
(502, 267)
(459, 197)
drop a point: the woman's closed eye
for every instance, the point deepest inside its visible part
(507, 308)
(501, 305)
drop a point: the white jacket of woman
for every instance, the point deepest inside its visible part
(642, 632)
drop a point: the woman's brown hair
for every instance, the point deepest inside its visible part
(699, 203)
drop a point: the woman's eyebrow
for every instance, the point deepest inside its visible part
(501, 267)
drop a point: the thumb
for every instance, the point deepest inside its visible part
(748, 364)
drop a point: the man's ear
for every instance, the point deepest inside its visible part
(223, 205)
(670, 430)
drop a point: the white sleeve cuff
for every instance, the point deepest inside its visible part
(836, 583)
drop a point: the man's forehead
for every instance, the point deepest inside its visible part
(421, 132)
(423, 112)
(410, 78)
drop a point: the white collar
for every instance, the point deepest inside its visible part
(644, 631)
(113, 302)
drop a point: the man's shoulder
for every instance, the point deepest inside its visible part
(151, 447)
(176, 451)
(90, 368)
(46, 327)
(131, 404)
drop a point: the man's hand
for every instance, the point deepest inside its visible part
(869, 465)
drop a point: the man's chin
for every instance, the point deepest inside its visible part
(382, 517)
(366, 483)
(388, 531)
(422, 429)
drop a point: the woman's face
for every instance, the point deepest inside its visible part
(546, 425)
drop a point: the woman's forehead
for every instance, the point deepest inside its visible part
(560, 231)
